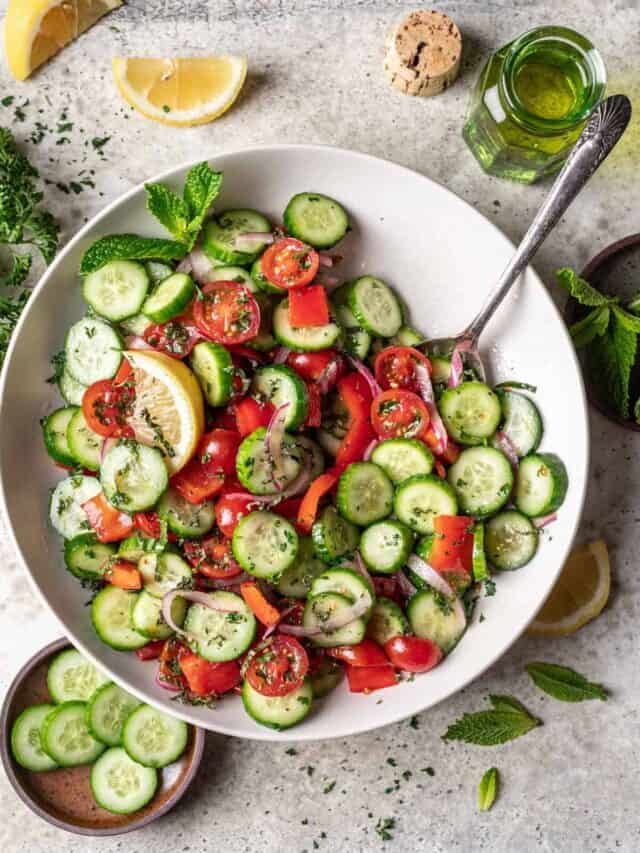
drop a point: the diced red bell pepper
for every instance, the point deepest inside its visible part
(151, 651)
(123, 574)
(308, 306)
(366, 679)
(205, 678)
(452, 547)
(310, 502)
(108, 523)
(148, 523)
(365, 653)
(352, 447)
(356, 395)
(250, 415)
(261, 608)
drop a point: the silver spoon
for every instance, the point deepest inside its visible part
(601, 133)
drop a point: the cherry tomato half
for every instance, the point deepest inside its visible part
(279, 667)
(312, 365)
(212, 557)
(413, 654)
(227, 313)
(395, 367)
(230, 508)
(176, 338)
(106, 407)
(290, 263)
(148, 523)
(399, 414)
(203, 476)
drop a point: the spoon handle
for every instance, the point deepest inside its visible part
(603, 130)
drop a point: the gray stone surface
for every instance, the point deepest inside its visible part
(316, 76)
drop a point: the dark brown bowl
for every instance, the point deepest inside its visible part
(63, 797)
(616, 271)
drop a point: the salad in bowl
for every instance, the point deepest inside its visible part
(270, 484)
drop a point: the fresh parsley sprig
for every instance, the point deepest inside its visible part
(508, 719)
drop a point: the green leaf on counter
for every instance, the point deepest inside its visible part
(507, 720)
(129, 247)
(488, 789)
(610, 359)
(563, 683)
(580, 289)
(508, 703)
(593, 325)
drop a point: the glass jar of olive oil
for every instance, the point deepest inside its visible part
(531, 102)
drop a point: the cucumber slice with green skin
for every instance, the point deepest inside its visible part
(26, 741)
(136, 546)
(310, 447)
(254, 466)
(295, 582)
(152, 738)
(278, 712)
(365, 494)
(133, 476)
(147, 619)
(406, 336)
(264, 544)
(325, 678)
(213, 368)
(280, 384)
(220, 237)
(317, 612)
(136, 325)
(236, 274)
(479, 557)
(423, 549)
(219, 635)
(261, 281)
(542, 484)
(85, 444)
(522, 423)
(418, 500)
(71, 390)
(65, 509)
(511, 540)
(93, 351)
(304, 338)
(440, 369)
(111, 618)
(86, 557)
(483, 479)
(163, 572)
(170, 298)
(385, 546)
(357, 342)
(107, 711)
(386, 621)
(121, 785)
(436, 618)
(333, 536)
(54, 433)
(471, 412)
(71, 676)
(316, 219)
(401, 458)
(66, 737)
(117, 290)
(264, 340)
(186, 519)
(375, 306)
(158, 271)
(347, 583)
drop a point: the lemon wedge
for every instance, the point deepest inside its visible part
(168, 412)
(35, 30)
(580, 593)
(180, 92)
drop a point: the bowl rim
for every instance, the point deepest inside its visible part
(34, 805)
(295, 735)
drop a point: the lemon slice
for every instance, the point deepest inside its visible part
(580, 593)
(180, 92)
(35, 30)
(168, 412)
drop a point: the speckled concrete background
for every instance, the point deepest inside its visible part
(315, 76)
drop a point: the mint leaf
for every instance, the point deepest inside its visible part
(610, 359)
(629, 321)
(592, 326)
(169, 209)
(563, 683)
(201, 187)
(509, 719)
(580, 289)
(488, 789)
(508, 703)
(129, 247)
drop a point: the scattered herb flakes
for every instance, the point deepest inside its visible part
(489, 587)
(508, 719)
(414, 723)
(7, 100)
(291, 751)
(564, 683)
(384, 827)
(98, 143)
(166, 108)
(392, 762)
(310, 770)
(488, 789)
(428, 770)
(328, 788)
(406, 775)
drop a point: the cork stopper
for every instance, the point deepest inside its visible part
(423, 53)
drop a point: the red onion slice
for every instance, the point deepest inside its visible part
(366, 374)
(361, 568)
(274, 439)
(282, 354)
(544, 520)
(457, 368)
(506, 446)
(429, 575)
(262, 238)
(294, 488)
(345, 617)
(136, 342)
(220, 583)
(195, 597)
(325, 259)
(328, 377)
(167, 685)
(201, 266)
(328, 281)
(107, 445)
(406, 587)
(370, 448)
(426, 392)
(185, 265)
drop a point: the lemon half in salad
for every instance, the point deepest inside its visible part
(180, 92)
(168, 412)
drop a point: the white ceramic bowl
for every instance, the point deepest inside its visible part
(442, 256)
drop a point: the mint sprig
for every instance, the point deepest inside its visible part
(488, 789)
(129, 247)
(564, 683)
(507, 720)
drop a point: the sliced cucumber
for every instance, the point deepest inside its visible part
(386, 621)
(152, 738)
(418, 500)
(107, 711)
(136, 325)
(295, 582)
(401, 458)
(71, 390)
(26, 739)
(121, 785)
(264, 341)
(66, 737)
(511, 540)
(304, 338)
(316, 219)
(111, 618)
(333, 536)
(54, 432)
(213, 368)
(235, 274)
(406, 336)
(133, 476)
(65, 509)
(93, 351)
(440, 370)
(170, 298)
(147, 618)
(357, 342)
(265, 544)
(185, 519)
(278, 712)
(117, 290)
(136, 546)
(385, 546)
(221, 238)
(325, 677)
(436, 618)
(352, 585)
(281, 385)
(375, 306)
(479, 557)
(312, 449)
(471, 412)
(542, 484)
(158, 271)
(317, 612)
(522, 423)
(163, 572)
(85, 444)
(261, 281)
(483, 479)
(254, 465)
(71, 676)
(221, 635)
(365, 494)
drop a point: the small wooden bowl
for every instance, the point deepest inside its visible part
(63, 797)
